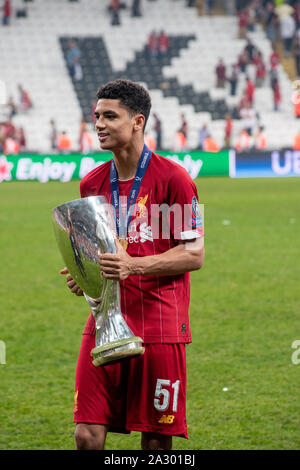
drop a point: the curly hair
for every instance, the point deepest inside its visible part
(132, 96)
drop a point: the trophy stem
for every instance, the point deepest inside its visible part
(114, 338)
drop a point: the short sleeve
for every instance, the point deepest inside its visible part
(186, 219)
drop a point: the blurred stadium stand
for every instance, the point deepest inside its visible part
(33, 48)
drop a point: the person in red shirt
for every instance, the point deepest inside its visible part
(260, 69)
(276, 94)
(152, 44)
(274, 59)
(152, 265)
(243, 18)
(163, 43)
(221, 74)
(250, 89)
(6, 12)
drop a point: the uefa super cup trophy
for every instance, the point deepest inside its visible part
(84, 228)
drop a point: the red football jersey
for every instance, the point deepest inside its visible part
(166, 211)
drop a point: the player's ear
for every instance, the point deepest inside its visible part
(139, 121)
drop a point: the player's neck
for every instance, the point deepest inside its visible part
(127, 160)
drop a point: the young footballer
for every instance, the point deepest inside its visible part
(160, 243)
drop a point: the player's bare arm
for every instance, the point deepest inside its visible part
(185, 257)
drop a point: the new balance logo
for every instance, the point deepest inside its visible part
(145, 233)
(167, 419)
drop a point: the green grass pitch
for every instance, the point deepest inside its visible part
(243, 389)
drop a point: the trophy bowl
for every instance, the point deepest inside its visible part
(83, 229)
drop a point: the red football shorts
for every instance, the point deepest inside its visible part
(145, 393)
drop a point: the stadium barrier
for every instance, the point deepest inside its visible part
(63, 167)
(276, 163)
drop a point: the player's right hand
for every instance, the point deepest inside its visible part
(74, 288)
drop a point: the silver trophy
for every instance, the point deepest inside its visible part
(84, 228)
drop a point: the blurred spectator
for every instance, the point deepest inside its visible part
(25, 102)
(260, 70)
(296, 143)
(276, 94)
(73, 60)
(251, 18)
(152, 44)
(20, 136)
(228, 131)
(136, 8)
(114, 8)
(274, 62)
(184, 125)
(11, 146)
(180, 142)
(248, 118)
(233, 79)
(271, 22)
(158, 131)
(242, 23)
(296, 52)
(190, 3)
(163, 43)
(243, 101)
(296, 101)
(260, 141)
(9, 128)
(284, 9)
(250, 90)
(210, 145)
(243, 142)
(85, 139)
(273, 77)
(203, 134)
(201, 7)
(296, 13)
(209, 6)
(64, 143)
(243, 61)
(251, 51)
(6, 12)
(11, 138)
(221, 74)
(12, 107)
(229, 7)
(287, 30)
(53, 135)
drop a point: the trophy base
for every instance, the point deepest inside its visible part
(117, 350)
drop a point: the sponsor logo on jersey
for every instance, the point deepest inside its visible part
(141, 203)
(144, 234)
(166, 419)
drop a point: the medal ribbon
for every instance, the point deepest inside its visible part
(122, 223)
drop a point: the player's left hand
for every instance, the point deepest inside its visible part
(115, 266)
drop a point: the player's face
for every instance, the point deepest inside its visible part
(114, 125)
